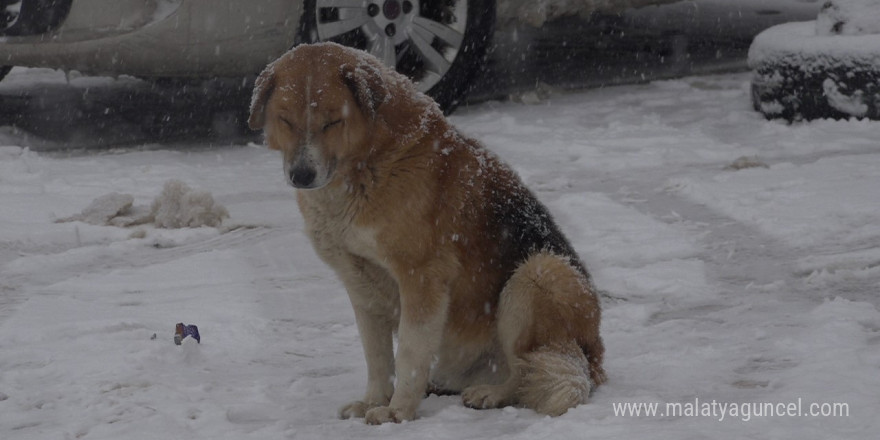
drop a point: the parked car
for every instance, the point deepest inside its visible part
(441, 44)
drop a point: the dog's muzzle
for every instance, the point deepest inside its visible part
(309, 170)
(302, 176)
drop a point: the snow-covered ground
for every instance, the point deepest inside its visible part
(738, 286)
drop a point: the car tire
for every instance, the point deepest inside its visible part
(4, 70)
(799, 75)
(441, 46)
(34, 16)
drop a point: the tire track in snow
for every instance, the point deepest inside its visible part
(737, 256)
(62, 263)
(740, 256)
(226, 240)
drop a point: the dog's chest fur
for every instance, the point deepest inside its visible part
(330, 225)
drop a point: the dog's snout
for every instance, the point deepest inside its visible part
(302, 176)
(308, 169)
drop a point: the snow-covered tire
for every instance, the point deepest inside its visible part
(441, 45)
(799, 75)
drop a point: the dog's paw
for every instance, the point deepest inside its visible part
(355, 410)
(486, 396)
(386, 414)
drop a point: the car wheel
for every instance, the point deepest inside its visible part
(440, 45)
(799, 75)
(4, 70)
(32, 17)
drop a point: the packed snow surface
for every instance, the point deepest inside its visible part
(725, 285)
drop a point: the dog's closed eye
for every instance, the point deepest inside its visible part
(330, 124)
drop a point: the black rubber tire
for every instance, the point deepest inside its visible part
(4, 70)
(794, 84)
(451, 89)
(803, 95)
(39, 16)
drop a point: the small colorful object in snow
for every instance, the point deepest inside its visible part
(181, 331)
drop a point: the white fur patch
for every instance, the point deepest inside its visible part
(555, 380)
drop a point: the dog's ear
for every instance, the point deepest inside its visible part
(262, 90)
(367, 85)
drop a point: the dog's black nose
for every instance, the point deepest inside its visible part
(302, 177)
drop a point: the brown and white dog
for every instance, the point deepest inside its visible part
(434, 237)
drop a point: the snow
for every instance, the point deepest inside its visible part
(798, 44)
(852, 105)
(733, 284)
(849, 17)
(103, 210)
(179, 206)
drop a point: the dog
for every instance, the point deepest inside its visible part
(434, 238)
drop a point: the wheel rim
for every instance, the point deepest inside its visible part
(418, 38)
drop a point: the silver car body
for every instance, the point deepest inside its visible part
(159, 38)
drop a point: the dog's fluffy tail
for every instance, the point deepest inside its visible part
(554, 379)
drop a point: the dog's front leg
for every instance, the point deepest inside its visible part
(424, 304)
(373, 295)
(375, 331)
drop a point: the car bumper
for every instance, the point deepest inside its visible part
(161, 38)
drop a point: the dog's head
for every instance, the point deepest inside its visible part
(317, 104)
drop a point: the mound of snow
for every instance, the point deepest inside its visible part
(798, 44)
(181, 207)
(849, 17)
(845, 30)
(178, 206)
(110, 209)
